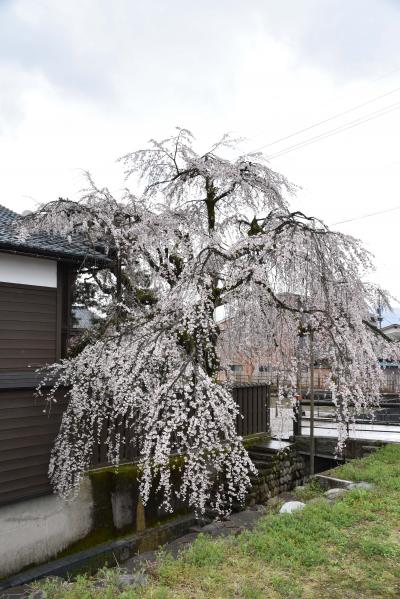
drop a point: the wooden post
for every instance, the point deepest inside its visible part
(297, 417)
(268, 408)
(312, 439)
(298, 408)
(60, 311)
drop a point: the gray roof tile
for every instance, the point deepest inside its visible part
(41, 243)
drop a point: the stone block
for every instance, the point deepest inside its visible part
(291, 506)
(122, 509)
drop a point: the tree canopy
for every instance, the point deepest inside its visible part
(204, 232)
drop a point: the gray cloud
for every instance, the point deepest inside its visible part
(84, 81)
(154, 53)
(104, 50)
(39, 38)
(352, 39)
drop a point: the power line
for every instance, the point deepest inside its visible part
(331, 118)
(341, 128)
(389, 321)
(350, 220)
(344, 127)
(387, 74)
(371, 116)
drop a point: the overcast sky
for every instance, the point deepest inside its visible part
(85, 81)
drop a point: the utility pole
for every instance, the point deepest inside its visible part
(379, 311)
(300, 345)
(298, 407)
(312, 439)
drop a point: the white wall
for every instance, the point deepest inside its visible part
(25, 270)
(34, 531)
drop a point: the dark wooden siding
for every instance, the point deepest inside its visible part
(254, 404)
(28, 430)
(28, 331)
(26, 437)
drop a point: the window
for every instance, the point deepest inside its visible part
(236, 367)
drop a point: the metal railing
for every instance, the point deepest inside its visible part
(383, 423)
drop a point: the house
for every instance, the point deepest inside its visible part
(36, 318)
(36, 279)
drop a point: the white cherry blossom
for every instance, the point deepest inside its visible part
(204, 232)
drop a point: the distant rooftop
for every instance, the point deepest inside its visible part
(53, 246)
(391, 317)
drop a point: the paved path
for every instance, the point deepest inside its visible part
(368, 432)
(281, 423)
(282, 428)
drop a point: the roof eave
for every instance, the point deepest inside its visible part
(60, 256)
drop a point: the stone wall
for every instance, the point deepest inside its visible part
(326, 447)
(280, 468)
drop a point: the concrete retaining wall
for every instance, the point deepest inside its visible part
(108, 506)
(36, 530)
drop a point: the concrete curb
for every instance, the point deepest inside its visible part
(330, 482)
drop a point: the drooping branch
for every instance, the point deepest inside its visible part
(181, 249)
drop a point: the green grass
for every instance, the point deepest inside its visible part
(84, 587)
(310, 491)
(349, 549)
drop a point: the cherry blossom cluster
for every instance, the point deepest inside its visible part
(204, 232)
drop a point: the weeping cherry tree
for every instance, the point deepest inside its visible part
(205, 232)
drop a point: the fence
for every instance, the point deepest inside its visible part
(269, 376)
(254, 407)
(27, 435)
(382, 425)
(254, 403)
(390, 379)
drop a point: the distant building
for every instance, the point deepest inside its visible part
(243, 369)
(392, 331)
(82, 318)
